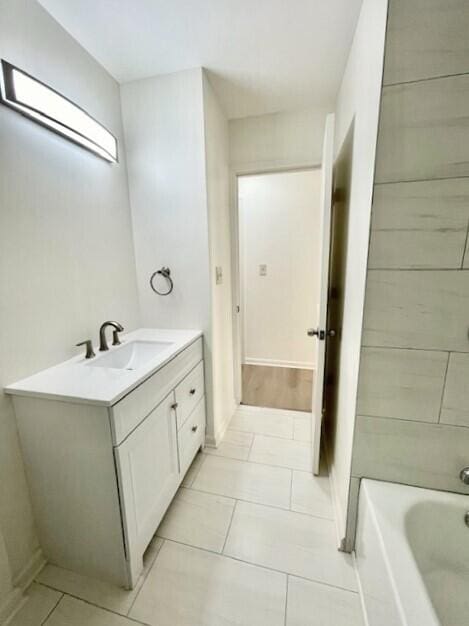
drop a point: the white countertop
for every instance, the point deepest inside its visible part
(75, 381)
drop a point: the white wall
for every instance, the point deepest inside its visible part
(358, 100)
(66, 254)
(166, 137)
(164, 131)
(218, 197)
(278, 140)
(279, 218)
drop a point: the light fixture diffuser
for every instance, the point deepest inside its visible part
(35, 100)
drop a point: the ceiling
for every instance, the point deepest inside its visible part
(263, 55)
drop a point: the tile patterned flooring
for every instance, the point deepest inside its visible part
(249, 540)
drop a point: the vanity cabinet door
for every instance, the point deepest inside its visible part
(148, 471)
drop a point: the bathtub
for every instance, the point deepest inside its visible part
(412, 555)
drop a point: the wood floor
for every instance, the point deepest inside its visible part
(277, 387)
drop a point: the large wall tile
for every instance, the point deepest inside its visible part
(419, 224)
(426, 38)
(423, 130)
(417, 309)
(401, 383)
(455, 408)
(426, 455)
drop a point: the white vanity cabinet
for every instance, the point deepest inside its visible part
(102, 477)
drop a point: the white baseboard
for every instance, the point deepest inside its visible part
(11, 605)
(30, 570)
(15, 599)
(307, 365)
(213, 441)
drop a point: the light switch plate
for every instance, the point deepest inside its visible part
(263, 270)
(218, 275)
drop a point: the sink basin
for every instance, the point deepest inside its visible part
(131, 356)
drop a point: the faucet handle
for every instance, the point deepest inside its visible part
(89, 348)
(464, 475)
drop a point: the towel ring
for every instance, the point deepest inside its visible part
(166, 273)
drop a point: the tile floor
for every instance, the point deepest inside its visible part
(249, 540)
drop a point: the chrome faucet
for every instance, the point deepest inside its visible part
(118, 328)
(464, 475)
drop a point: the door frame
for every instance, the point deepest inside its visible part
(236, 285)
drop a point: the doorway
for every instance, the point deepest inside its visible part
(278, 259)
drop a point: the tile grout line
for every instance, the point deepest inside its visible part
(264, 567)
(252, 444)
(46, 619)
(384, 347)
(251, 432)
(254, 435)
(203, 455)
(97, 606)
(286, 467)
(286, 601)
(414, 268)
(163, 540)
(466, 248)
(443, 388)
(229, 526)
(425, 79)
(406, 420)
(269, 506)
(419, 180)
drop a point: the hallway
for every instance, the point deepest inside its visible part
(277, 387)
(249, 540)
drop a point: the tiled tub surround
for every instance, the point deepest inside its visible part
(408, 574)
(412, 423)
(244, 542)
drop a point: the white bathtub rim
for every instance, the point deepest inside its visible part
(411, 596)
(384, 549)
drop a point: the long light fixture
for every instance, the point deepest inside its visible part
(35, 100)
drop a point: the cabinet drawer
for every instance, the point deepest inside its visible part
(188, 393)
(134, 407)
(191, 436)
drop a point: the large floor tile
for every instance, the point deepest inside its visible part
(95, 591)
(302, 428)
(290, 542)
(281, 452)
(73, 612)
(193, 470)
(312, 495)
(191, 587)
(198, 519)
(245, 481)
(313, 604)
(235, 445)
(272, 422)
(40, 602)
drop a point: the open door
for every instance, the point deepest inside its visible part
(321, 332)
